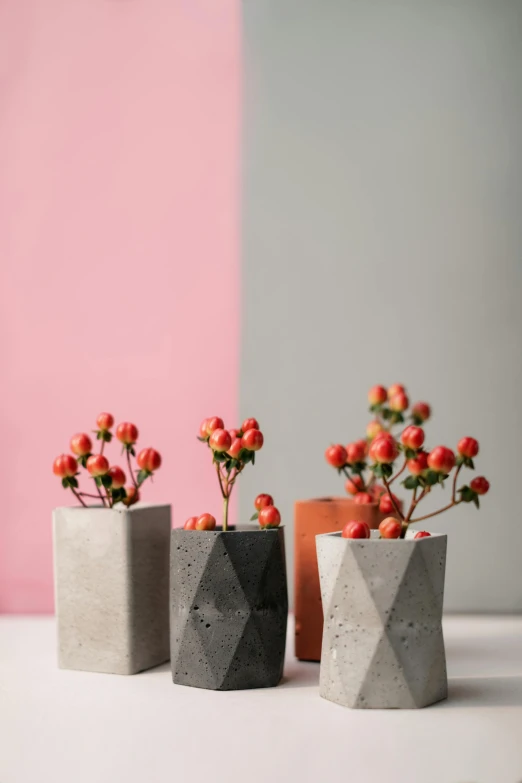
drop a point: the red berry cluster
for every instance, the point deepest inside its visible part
(231, 451)
(365, 461)
(267, 514)
(109, 480)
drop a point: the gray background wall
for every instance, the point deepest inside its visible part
(382, 242)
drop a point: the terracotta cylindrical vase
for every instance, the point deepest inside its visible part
(382, 642)
(229, 607)
(311, 518)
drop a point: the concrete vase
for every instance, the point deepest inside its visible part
(229, 608)
(382, 642)
(111, 571)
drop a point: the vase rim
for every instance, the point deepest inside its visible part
(220, 530)
(374, 537)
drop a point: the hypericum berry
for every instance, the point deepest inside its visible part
(336, 455)
(422, 534)
(467, 447)
(377, 395)
(363, 499)
(441, 459)
(373, 429)
(149, 460)
(269, 516)
(220, 440)
(203, 431)
(235, 448)
(97, 465)
(385, 504)
(419, 464)
(205, 522)
(252, 440)
(390, 528)
(81, 444)
(356, 452)
(413, 437)
(65, 466)
(249, 424)
(356, 529)
(421, 411)
(105, 421)
(354, 485)
(376, 491)
(480, 485)
(190, 524)
(214, 423)
(399, 402)
(383, 451)
(394, 389)
(127, 433)
(263, 500)
(234, 434)
(132, 496)
(118, 477)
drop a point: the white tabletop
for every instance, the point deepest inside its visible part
(76, 727)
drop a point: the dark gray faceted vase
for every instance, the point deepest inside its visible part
(229, 608)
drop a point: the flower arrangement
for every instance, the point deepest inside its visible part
(231, 451)
(363, 462)
(109, 481)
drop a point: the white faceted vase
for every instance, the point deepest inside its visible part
(382, 639)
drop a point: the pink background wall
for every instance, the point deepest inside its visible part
(118, 249)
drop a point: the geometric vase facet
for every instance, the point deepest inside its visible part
(382, 641)
(111, 576)
(229, 608)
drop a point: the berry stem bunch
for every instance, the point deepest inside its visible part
(366, 461)
(109, 481)
(232, 450)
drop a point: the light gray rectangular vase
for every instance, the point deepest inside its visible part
(382, 638)
(229, 608)
(111, 572)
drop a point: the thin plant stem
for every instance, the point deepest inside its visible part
(101, 495)
(396, 507)
(78, 496)
(225, 512)
(398, 473)
(133, 478)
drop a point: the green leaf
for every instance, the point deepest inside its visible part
(460, 460)
(106, 436)
(412, 482)
(431, 478)
(375, 407)
(142, 475)
(65, 483)
(466, 494)
(476, 501)
(219, 456)
(410, 453)
(132, 451)
(442, 478)
(203, 440)
(386, 413)
(470, 463)
(73, 482)
(418, 420)
(97, 481)
(387, 470)
(358, 467)
(376, 469)
(254, 516)
(106, 481)
(248, 457)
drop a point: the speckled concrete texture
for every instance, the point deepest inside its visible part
(229, 608)
(382, 641)
(112, 587)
